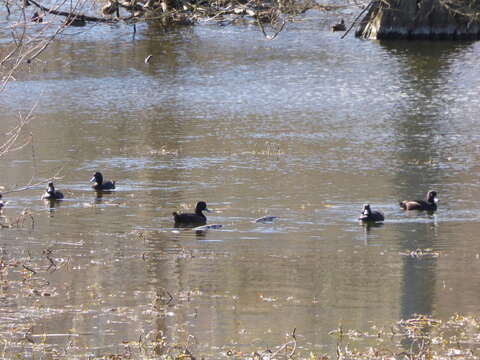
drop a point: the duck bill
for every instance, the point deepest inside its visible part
(92, 180)
(207, 210)
(435, 200)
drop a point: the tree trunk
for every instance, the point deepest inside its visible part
(421, 19)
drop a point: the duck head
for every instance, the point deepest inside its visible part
(201, 206)
(366, 209)
(432, 197)
(97, 178)
(50, 188)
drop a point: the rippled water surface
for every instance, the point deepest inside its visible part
(307, 127)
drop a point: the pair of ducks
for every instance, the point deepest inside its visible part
(429, 204)
(98, 184)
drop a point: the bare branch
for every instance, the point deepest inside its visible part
(270, 37)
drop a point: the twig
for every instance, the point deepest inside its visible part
(24, 48)
(28, 336)
(161, 297)
(284, 346)
(358, 16)
(294, 343)
(30, 185)
(8, 8)
(48, 252)
(29, 269)
(26, 212)
(270, 37)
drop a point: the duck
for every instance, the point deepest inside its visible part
(369, 215)
(97, 179)
(430, 203)
(51, 193)
(2, 204)
(189, 219)
(340, 26)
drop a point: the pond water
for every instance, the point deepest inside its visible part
(307, 127)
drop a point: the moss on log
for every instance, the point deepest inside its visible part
(421, 19)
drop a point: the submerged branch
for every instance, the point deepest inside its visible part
(14, 134)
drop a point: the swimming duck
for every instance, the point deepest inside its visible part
(2, 204)
(196, 219)
(340, 26)
(97, 179)
(51, 193)
(430, 203)
(370, 216)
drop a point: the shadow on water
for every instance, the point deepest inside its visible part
(417, 132)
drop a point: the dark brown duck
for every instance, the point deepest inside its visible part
(430, 203)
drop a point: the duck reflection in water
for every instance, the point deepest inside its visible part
(99, 196)
(368, 226)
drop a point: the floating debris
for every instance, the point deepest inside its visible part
(208, 227)
(267, 298)
(420, 253)
(420, 322)
(266, 219)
